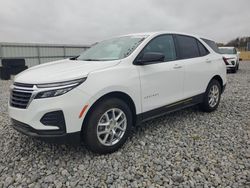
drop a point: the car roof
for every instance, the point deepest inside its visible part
(163, 32)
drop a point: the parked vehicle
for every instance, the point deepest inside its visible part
(116, 84)
(231, 57)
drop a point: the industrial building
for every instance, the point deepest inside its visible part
(35, 54)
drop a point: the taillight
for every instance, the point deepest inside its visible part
(225, 60)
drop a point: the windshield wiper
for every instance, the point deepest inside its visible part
(91, 59)
(74, 58)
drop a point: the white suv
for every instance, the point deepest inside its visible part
(114, 85)
(231, 58)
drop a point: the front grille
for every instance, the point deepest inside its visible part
(20, 98)
(23, 85)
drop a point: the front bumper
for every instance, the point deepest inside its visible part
(55, 136)
(70, 104)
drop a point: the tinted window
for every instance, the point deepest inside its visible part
(163, 44)
(212, 45)
(188, 47)
(202, 49)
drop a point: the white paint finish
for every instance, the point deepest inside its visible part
(149, 86)
(61, 70)
(199, 71)
(232, 59)
(161, 84)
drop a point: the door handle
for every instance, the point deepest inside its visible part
(208, 61)
(177, 66)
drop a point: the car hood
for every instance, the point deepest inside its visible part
(62, 70)
(229, 55)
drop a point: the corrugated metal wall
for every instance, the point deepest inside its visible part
(35, 54)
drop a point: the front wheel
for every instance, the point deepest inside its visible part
(238, 65)
(211, 97)
(108, 126)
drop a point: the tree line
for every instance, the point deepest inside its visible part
(240, 42)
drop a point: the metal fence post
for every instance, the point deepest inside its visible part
(1, 54)
(38, 54)
(64, 52)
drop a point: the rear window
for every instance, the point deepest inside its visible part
(211, 44)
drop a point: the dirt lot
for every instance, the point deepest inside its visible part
(188, 148)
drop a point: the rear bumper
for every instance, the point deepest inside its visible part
(55, 136)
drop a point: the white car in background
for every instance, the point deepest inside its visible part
(231, 58)
(115, 85)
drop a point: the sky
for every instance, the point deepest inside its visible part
(88, 21)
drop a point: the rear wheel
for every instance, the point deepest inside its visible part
(211, 97)
(108, 126)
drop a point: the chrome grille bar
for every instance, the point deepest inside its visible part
(20, 96)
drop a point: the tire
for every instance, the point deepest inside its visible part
(207, 106)
(97, 122)
(238, 65)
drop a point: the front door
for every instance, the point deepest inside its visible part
(161, 82)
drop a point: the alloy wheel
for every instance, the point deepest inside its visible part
(213, 96)
(111, 127)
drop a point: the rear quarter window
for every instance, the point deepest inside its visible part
(212, 45)
(203, 50)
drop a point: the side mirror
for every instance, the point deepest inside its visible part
(74, 58)
(150, 58)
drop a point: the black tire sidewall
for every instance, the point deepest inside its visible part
(90, 130)
(205, 105)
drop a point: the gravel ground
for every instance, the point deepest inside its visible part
(188, 148)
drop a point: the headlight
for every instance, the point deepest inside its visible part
(57, 89)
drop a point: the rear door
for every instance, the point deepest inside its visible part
(197, 64)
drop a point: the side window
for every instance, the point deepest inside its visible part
(202, 49)
(212, 45)
(163, 44)
(188, 47)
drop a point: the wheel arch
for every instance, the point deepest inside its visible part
(219, 79)
(115, 94)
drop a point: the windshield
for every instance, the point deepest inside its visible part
(227, 50)
(112, 49)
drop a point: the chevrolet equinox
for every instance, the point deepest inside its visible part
(115, 84)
